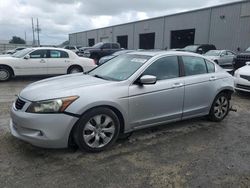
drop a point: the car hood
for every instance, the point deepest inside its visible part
(245, 70)
(60, 86)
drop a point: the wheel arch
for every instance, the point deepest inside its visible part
(9, 67)
(74, 65)
(114, 109)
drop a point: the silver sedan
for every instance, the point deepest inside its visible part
(221, 57)
(130, 92)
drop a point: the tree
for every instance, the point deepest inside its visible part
(17, 40)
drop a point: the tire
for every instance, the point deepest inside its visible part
(220, 107)
(5, 74)
(216, 61)
(97, 130)
(75, 69)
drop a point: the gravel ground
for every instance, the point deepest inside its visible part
(192, 153)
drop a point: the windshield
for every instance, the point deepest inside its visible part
(120, 68)
(22, 53)
(98, 45)
(248, 49)
(191, 48)
(213, 53)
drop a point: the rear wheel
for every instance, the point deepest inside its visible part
(97, 130)
(5, 73)
(75, 69)
(220, 107)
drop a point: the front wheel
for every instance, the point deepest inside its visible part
(220, 107)
(5, 74)
(97, 130)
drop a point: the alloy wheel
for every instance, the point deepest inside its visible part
(221, 107)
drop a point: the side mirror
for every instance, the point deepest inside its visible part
(147, 80)
(248, 63)
(27, 56)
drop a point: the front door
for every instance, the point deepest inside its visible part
(160, 102)
(36, 64)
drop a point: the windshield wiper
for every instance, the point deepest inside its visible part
(98, 76)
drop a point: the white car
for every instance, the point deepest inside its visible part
(242, 78)
(43, 61)
(221, 57)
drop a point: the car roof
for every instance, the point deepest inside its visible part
(164, 52)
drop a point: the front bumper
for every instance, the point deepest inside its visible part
(241, 84)
(42, 130)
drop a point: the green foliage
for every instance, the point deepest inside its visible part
(17, 40)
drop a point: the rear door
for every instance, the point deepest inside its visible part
(58, 62)
(200, 86)
(162, 101)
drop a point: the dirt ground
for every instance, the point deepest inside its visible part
(193, 153)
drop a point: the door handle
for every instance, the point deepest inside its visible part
(175, 85)
(42, 61)
(212, 78)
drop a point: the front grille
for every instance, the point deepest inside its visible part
(243, 57)
(245, 77)
(243, 86)
(19, 104)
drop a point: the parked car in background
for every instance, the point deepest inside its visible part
(14, 50)
(99, 50)
(241, 59)
(129, 92)
(199, 48)
(242, 78)
(73, 48)
(115, 54)
(221, 57)
(43, 61)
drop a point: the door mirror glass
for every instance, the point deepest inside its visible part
(27, 56)
(147, 79)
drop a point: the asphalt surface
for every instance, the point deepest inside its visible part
(192, 153)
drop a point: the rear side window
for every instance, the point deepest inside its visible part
(58, 54)
(164, 68)
(115, 46)
(38, 54)
(106, 46)
(210, 67)
(194, 65)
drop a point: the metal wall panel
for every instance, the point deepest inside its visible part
(92, 35)
(225, 22)
(150, 26)
(105, 34)
(127, 29)
(199, 20)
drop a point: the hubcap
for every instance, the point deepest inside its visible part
(99, 131)
(221, 107)
(4, 75)
(74, 71)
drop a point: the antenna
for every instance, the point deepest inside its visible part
(38, 29)
(33, 32)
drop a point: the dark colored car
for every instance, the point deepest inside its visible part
(241, 59)
(199, 48)
(115, 54)
(100, 50)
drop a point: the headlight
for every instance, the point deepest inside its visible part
(51, 106)
(87, 53)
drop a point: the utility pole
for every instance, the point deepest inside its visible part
(33, 32)
(38, 30)
(25, 37)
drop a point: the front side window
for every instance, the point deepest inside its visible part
(194, 65)
(38, 54)
(115, 46)
(58, 54)
(164, 68)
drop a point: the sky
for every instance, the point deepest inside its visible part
(58, 18)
